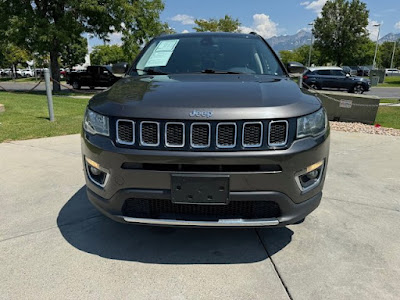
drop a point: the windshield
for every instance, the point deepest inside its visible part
(209, 54)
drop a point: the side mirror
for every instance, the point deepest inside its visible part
(119, 68)
(295, 67)
(347, 75)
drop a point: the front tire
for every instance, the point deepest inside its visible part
(358, 89)
(314, 86)
(76, 85)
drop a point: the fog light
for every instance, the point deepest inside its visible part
(313, 174)
(96, 173)
(310, 177)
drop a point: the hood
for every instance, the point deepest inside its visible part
(215, 96)
(360, 78)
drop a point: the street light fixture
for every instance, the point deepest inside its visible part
(311, 42)
(376, 47)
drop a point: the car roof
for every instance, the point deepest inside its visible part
(197, 34)
(312, 69)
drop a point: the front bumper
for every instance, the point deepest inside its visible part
(279, 187)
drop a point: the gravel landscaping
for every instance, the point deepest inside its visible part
(360, 127)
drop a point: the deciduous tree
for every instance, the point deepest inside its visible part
(51, 25)
(107, 54)
(301, 54)
(385, 53)
(74, 54)
(226, 24)
(13, 55)
(341, 28)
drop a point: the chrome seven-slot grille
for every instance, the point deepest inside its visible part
(202, 135)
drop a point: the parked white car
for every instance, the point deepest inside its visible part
(27, 73)
(6, 72)
(392, 72)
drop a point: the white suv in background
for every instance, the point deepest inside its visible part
(392, 72)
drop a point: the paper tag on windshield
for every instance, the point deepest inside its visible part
(162, 53)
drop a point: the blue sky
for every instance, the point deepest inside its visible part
(268, 18)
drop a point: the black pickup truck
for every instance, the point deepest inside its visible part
(94, 76)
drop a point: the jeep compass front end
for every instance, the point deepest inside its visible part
(206, 129)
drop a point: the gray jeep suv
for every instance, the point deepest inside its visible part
(206, 129)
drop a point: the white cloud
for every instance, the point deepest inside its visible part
(263, 25)
(184, 19)
(397, 25)
(185, 31)
(316, 6)
(373, 30)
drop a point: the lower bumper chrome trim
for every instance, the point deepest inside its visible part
(219, 223)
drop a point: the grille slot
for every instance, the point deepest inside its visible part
(278, 133)
(252, 134)
(149, 133)
(174, 134)
(200, 135)
(226, 135)
(125, 132)
(165, 209)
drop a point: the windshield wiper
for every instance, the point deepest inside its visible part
(151, 71)
(212, 71)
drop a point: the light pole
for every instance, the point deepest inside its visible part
(394, 49)
(87, 59)
(376, 47)
(311, 40)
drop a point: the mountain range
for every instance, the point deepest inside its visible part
(291, 42)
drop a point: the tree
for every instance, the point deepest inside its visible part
(107, 54)
(362, 56)
(341, 29)
(50, 26)
(385, 53)
(74, 54)
(13, 55)
(145, 26)
(226, 24)
(301, 55)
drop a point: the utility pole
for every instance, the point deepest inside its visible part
(376, 47)
(311, 42)
(394, 50)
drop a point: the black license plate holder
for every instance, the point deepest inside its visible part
(199, 189)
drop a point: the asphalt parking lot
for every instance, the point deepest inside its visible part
(54, 244)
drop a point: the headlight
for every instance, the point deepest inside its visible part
(95, 123)
(312, 125)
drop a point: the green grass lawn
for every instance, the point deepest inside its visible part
(26, 116)
(27, 79)
(390, 81)
(395, 101)
(388, 117)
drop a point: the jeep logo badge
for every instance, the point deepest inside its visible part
(205, 114)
